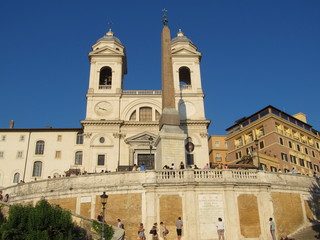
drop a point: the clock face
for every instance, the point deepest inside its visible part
(103, 108)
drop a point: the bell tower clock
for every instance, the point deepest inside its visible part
(108, 66)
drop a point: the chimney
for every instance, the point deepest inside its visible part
(11, 124)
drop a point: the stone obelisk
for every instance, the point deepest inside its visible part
(171, 139)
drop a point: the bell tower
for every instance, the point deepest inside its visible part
(187, 78)
(108, 65)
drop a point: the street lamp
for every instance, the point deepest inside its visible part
(256, 141)
(104, 198)
(150, 146)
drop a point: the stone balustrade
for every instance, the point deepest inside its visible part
(148, 197)
(118, 181)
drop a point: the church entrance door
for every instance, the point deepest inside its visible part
(147, 159)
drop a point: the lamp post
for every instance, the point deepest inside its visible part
(104, 198)
(150, 147)
(256, 141)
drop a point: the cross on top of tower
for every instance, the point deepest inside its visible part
(165, 20)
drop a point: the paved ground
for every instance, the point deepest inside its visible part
(309, 233)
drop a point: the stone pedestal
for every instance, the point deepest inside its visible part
(170, 146)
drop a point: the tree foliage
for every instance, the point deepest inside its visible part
(42, 222)
(108, 230)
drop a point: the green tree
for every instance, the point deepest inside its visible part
(108, 230)
(42, 222)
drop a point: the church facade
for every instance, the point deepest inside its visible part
(120, 128)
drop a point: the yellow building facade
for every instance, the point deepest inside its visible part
(218, 149)
(276, 140)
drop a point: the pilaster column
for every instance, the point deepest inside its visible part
(190, 213)
(232, 222)
(265, 211)
(151, 208)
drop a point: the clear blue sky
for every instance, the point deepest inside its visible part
(255, 53)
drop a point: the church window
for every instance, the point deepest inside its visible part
(102, 140)
(1, 154)
(101, 159)
(184, 76)
(39, 147)
(145, 114)
(37, 169)
(22, 138)
(58, 154)
(133, 116)
(105, 76)
(16, 178)
(79, 138)
(59, 138)
(78, 158)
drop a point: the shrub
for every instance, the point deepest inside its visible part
(42, 222)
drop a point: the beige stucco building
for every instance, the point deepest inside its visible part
(120, 126)
(283, 141)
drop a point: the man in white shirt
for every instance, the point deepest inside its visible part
(220, 229)
(272, 229)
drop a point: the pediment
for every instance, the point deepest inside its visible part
(185, 51)
(106, 50)
(141, 138)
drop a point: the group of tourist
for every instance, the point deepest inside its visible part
(163, 231)
(4, 198)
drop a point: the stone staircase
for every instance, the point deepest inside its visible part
(308, 233)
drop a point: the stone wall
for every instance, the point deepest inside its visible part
(244, 199)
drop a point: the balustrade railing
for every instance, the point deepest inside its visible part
(203, 175)
(185, 87)
(141, 92)
(104, 86)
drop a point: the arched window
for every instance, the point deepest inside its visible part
(16, 178)
(37, 169)
(133, 116)
(78, 158)
(184, 76)
(105, 76)
(40, 147)
(145, 114)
